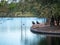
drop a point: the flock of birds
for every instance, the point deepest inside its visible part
(35, 23)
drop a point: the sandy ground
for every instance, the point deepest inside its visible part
(38, 25)
(46, 28)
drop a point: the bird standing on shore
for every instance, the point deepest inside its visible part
(33, 22)
(37, 22)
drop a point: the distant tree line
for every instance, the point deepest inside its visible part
(41, 8)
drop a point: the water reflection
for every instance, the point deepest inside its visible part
(16, 31)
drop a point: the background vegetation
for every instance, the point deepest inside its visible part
(40, 8)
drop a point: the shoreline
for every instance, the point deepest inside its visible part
(46, 30)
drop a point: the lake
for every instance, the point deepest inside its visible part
(16, 31)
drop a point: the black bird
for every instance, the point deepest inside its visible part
(33, 22)
(37, 22)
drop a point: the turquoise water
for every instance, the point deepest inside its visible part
(16, 31)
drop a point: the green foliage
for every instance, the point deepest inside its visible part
(40, 8)
(12, 5)
(2, 3)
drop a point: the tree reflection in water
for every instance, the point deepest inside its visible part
(43, 41)
(55, 41)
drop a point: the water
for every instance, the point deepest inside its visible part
(16, 31)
